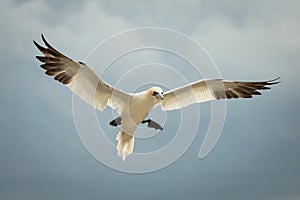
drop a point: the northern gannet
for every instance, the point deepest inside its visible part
(134, 107)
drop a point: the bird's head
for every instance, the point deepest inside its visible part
(156, 92)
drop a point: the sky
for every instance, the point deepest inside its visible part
(257, 155)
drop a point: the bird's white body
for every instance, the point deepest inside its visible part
(138, 107)
(133, 108)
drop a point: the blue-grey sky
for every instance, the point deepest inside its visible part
(257, 156)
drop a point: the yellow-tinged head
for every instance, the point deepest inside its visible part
(156, 92)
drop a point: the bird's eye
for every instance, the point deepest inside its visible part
(154, 93)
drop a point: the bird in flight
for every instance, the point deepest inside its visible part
(134, 107)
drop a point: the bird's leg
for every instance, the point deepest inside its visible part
(152, 124)
(116, 122)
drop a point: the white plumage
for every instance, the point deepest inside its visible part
(133, 108)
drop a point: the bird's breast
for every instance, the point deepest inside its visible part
(139, 107)
(135, 112)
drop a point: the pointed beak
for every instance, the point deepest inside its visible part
(159, 96)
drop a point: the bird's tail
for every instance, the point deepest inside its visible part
(125, 144)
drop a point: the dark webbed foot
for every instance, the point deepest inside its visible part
(116, 122)
(152, 124)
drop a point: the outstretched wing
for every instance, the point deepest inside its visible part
(81, 79)
(215, 89)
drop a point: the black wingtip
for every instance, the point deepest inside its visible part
(43, 37)
(45, 41)
(35, 43)
(42, 49)
(40, 58)
(274, 81)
